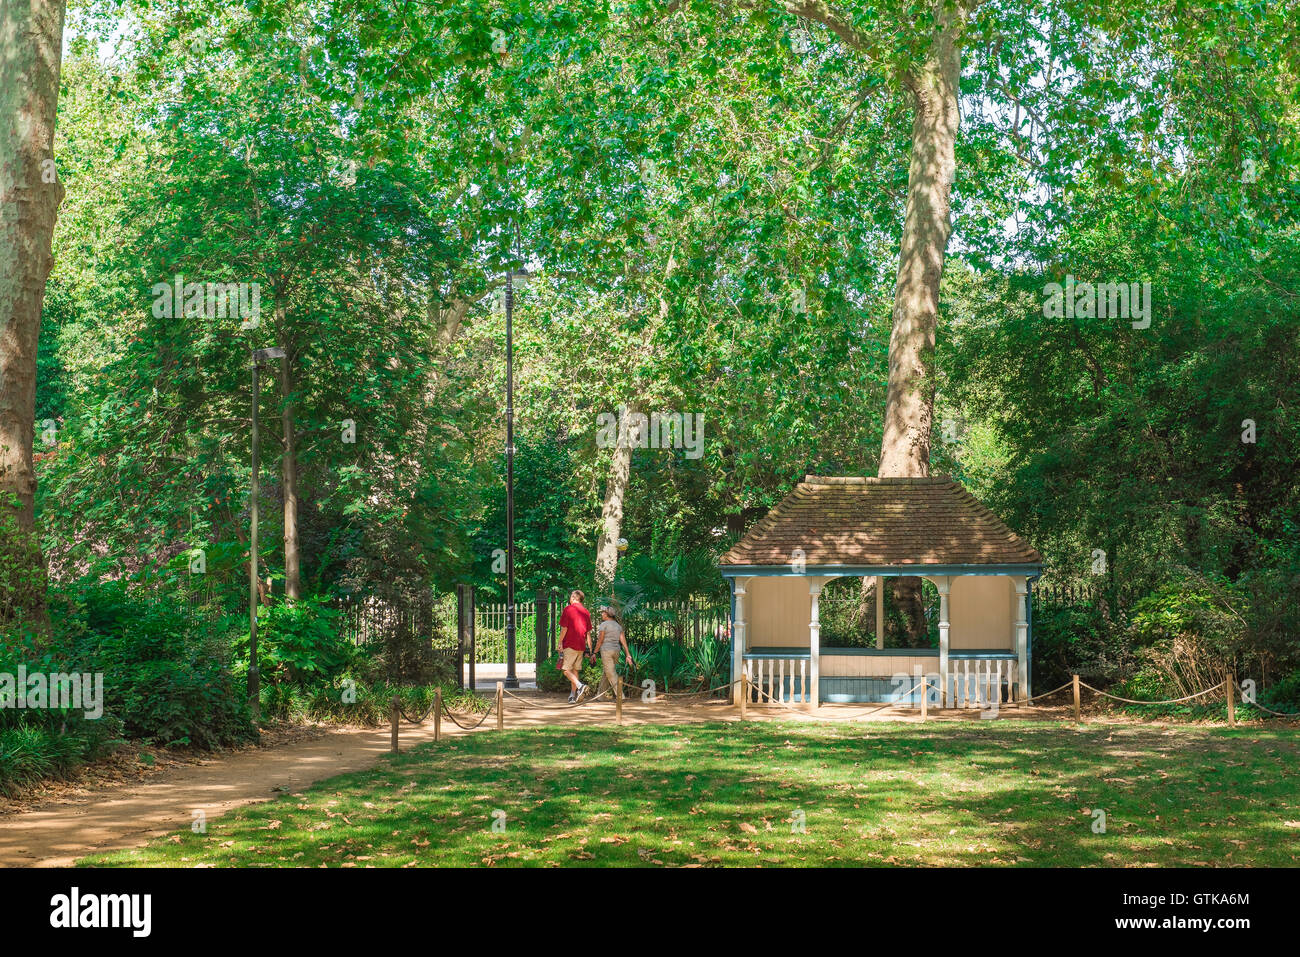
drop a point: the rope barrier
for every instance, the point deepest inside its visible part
(472, 727)
(1047, 695)
(1256, 704)
(420, 720)
(1169, 701)
(1280, 714)
(551, 707)
(630, 692)
(747, 684)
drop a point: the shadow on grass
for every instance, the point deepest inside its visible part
(736, 794)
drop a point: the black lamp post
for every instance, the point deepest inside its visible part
(254, 678)
(512, 680)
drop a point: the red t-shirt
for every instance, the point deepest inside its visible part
(578, 620)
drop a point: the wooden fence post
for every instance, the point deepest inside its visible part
(393, 715)
(1231, 689)
(744, 696)
(501, 697)
(437, 714)
(618, 704)
(925, 698)
(1075, 683)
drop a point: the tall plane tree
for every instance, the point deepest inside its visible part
(31, 49)
(922, 58)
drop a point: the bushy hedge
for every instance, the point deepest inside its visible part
(1079, 639)
(45, 743)
(300, 643)
(167, 676)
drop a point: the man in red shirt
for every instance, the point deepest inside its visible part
(575, 622)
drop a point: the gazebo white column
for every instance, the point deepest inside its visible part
(944, 586)
(815, 586)
(880, 611)
(738, 637)
(1021, 638)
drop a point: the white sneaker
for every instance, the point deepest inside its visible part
(582, 690)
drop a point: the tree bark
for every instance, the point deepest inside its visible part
(867, 607)
(31, 51)
(909, 400)
(289, 479)
(611, 512)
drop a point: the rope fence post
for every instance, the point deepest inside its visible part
(393, 708)
(925, 694)
(744, 696)
(618, 704)
(1075, 683)
(437, 714)
(500, 706)
(1231, 684)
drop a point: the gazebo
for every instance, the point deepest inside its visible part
(932, 528)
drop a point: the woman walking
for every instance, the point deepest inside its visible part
(609, 640)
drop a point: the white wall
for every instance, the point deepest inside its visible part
(777, 611)
(877, 666)
(981, 610)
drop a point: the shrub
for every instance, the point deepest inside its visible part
(44, 743)
(166, 675)
(1188, 636)
(300, 642)
(1283, 696)
(22, 569)
(1079, 639)
(706, 665)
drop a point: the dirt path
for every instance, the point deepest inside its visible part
(59, 832)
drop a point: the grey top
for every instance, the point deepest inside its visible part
(612, 631)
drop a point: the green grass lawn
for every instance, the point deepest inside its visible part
(995, 793)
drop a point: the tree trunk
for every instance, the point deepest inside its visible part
(611, 512)
(31, 50)
(910, 601)
(867, 606)
(909, 400)
(289, 480)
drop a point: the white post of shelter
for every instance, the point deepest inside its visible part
(944, 585)
(815, 639)
(1021, 639)
(880, 611)
(738, 628)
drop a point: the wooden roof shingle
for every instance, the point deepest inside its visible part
(881, 522)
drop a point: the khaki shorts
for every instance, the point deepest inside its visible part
(572, 659)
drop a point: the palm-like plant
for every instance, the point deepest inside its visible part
(655, 592)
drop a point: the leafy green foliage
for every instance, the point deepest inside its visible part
(1079, 639)
(299, 642)
(167, 676)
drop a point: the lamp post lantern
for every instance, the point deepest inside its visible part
(254, 679)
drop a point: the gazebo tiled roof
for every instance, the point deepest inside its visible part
(881, 522)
